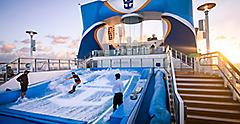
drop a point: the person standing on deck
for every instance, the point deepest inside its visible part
(118, 92)
(23, 79)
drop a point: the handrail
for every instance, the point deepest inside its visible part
(44, 63)
(127, 51)
(183, 57)
(225, 59)
(18, 65)
(178, 103)
(227, 69)
(136, 109)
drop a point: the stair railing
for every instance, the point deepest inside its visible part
(217, 62)
(178, 104)
(183, 57)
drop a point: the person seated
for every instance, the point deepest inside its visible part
(10, 72)
(152, 49)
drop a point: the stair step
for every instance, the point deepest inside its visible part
(220, 113)
(200, 85)
(204, 91)
(213, 104)
(193, 119)
(191, 80)
(204, 97)
(197, 76)
(194, 73)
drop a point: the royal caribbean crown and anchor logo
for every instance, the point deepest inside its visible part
(128, 4)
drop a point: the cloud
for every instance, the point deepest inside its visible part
(71, 55)
(23, 52)
(58, 39)
(40, 48)
(7, 48)
(74, 44)
(26, 41)
(50, 55)
(55, 55)
(65, 55)
(6, 58)
(38, 42)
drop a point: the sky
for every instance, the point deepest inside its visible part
(59, 28)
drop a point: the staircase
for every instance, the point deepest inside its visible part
(207, 100)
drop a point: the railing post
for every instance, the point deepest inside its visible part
(5, 76)
(101, 63)
(69, 66)
(176, 54)
(141, 62)
(59, 62)
(196, 65)
(76, 62)
(191, 63)
(19, 65)
(234, 92)
(130, 62)
(225, 80)
(110, 63)
(35, 65)
(164, 63)
(181, 56)
(120, 62)
(186, 59)
(153, 62)
(48, 65)
(91, 63)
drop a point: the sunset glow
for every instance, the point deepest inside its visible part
(59, 30)
(228, 48)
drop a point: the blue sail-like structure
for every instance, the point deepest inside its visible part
(177, 14)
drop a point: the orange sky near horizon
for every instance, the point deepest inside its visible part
(224, 25)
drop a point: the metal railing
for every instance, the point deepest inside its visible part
(35, 65)
(214, 63)
(128, 51)
(178, 104)
(128, 62)
(183, 57)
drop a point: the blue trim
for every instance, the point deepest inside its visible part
(88, 44)
(142, 115)
(11, 96)
(10, 116)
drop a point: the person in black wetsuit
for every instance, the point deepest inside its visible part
(77, 81)
(23, 79)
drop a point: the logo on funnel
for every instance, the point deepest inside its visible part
(128, 4)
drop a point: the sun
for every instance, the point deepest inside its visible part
(228, 48)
